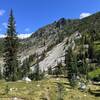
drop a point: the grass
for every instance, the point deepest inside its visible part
(94, 73)
(97, 46)
(46, 88)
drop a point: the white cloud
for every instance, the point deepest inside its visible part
(83, 15)
(21, 36)
(4, 24)
(27, 29)
(2, 35)
(2, 12)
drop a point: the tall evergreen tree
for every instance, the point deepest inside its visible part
(91, 49)
(58, 69)
(0, 74)
(71, 66)
(68, 62)
(37, 70)
(50, 72)
(83, 58)
(10, 51)
(25, 68)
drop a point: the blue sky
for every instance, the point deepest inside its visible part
(33, 14)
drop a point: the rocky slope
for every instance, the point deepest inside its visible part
(55, 32)
(53, 37)
(56, 55)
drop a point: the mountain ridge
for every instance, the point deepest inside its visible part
(49, 36)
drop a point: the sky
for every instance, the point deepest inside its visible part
(31, 15)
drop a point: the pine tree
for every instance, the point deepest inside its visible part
(25, 68)
(83, 58)
(50, 72)
(83, 64)
(0, 74)
(91, 50)
(37, 70)
(71, 66)
(58, 70)
(10, 51)
(68, 62)
(91, 39)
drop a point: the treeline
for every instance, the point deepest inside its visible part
(79, 62)
(13, 70)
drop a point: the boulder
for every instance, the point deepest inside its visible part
(26, 79)
(82, 86)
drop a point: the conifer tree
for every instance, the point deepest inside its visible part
(71, 66)
(68, 62)
(37, 70)
(25, 68)
(83, 58)
(83, 64)
(10, 51)
(0, 74)
(91, 49)
(58, 69)
(50, 72)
